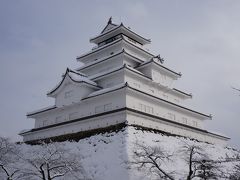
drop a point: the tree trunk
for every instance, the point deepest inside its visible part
(42, 172)
(48, 172)
(189, 177)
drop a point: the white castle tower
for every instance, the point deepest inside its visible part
(120, 83)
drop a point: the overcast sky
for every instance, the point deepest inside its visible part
(40, 39)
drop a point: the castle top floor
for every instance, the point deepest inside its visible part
(111, 31)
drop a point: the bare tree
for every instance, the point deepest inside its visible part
(234, 159)
(208, 169)
(50, 161)
(236, 174)
(8, 155)
(199, 164)
(151, 158)
(191, 153)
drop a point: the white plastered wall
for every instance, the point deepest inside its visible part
(157, 108)
(111, 63)
(146, 85)
(102, 53)
(88, 107)
(72, 93)
(137, 52)
(111, 80)
(84, 125)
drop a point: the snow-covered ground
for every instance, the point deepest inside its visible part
(107, 156)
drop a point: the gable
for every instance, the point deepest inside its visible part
(108, 27)
(72, 77)
(71, 93)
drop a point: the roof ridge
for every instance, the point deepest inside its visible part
(118, 26)
(108, 23)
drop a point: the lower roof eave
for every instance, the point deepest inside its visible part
(205, 132)
(25, 133)
(130, 110)
(187, 95)
(73, 121)
(31, 114)
(83, 57)
(219, 136)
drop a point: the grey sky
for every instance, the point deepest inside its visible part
(39, 39)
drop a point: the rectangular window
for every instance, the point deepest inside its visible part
(146, 108)
(184, 120)
(45, 123)
(107, 107)
(195, 123)
(99, 109)
(151, 110)
(68, 94)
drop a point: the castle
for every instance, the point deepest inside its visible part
(119, 82)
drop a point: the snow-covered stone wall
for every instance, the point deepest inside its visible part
(107, 156)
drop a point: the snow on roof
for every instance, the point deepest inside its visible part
(110, 44)
(135, 70)
(80, 78)
(24, 131)
(41, 110)
(98, 48)
(74, 76)
(105, 72)
(106, 31)
(102, 91)
(121, 27)
(99, 60)
(218, 134)
(109, 27)
(152, 60)
(182, 92)
(160, 64)
(106, 58)
(77, 72)
(146, 62)
(114, 70)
